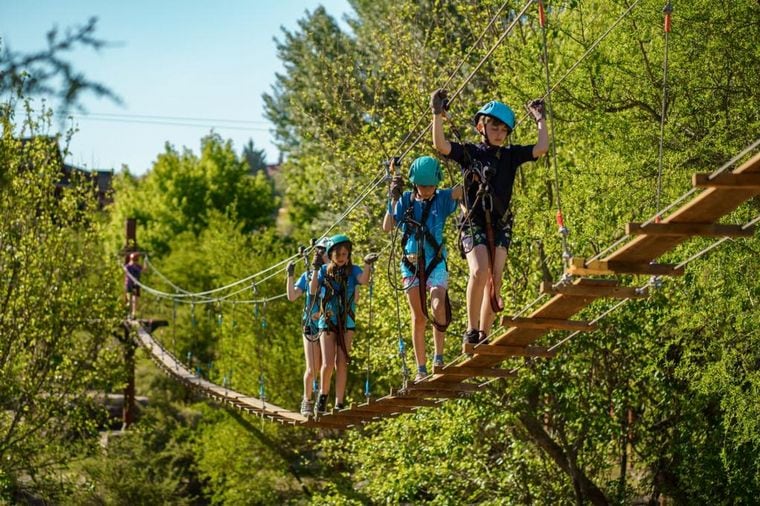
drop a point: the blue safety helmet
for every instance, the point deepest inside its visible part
(336, 240)
(425, 171)
(496, 110)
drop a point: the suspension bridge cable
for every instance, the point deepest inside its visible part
(423, 114)
(684, 196)
(697, 255)
(588, 51)
(667, 10)
(459, 90)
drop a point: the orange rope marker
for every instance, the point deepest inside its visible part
(560, 220)
(541, 14)
(668, 9)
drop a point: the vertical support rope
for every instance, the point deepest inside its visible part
(667, 10)
(563, 230)
(367, 389)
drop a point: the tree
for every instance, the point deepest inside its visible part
(47, 72)
(183, 189)
(255, 158)
(57, 315)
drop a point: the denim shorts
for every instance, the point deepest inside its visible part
(439, 278)
(474, 234)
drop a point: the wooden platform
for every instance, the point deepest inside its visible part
(697, 217)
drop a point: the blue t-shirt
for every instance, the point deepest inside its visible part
(331, 290)
(443, 205)
(303, 285)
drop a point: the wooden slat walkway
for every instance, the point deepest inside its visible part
(728, 191)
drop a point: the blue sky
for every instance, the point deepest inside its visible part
(171, 60)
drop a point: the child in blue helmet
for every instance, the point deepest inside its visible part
(336, 282)
(309, 319)
(421, 216)
(489, 172)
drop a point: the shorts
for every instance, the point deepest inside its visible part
(439, 278)
(134, 290)
(475, 234)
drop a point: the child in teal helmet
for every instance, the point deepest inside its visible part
(489, 170)
(309, 319)
(336, 282)
(421, 215)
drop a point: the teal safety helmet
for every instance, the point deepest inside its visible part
(425, 171)
(336, 240)
(497, 110)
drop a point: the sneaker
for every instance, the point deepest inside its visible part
(472, 336)
(322, 404)
(421, 375)
(482, 337)
(307, 407)
(438, 362)
(339, 406)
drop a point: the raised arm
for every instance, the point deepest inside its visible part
(397, 185)
(369, 261)
(437, 104)
(316, 263)
(292, 290)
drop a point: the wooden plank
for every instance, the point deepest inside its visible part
(402, 401)
(727, 180)
(434, 394)
(707, 207)
(379, 409)
(546, 323)
(509, 351)
(612, 292)
(689, 229)
(472, 372)
(581, 267)
(456, 387)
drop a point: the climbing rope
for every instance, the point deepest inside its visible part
(667, 10)
(367, 386)
(563, 230)
(518, 16)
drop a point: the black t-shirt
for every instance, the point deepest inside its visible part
(503, 161)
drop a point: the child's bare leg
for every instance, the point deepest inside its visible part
(313, 364)
(477, 261)
(418, 325)
(486, 313)
(438, 302)
(328, 344)
(341, 375)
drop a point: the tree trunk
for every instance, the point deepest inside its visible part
(587, 488)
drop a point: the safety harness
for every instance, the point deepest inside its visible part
(336, 286)
(418, 266)
(485, 196)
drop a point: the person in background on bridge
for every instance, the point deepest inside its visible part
(421, 215)
(336, 282)
(309, 320)
(133, 270)
(489, 170)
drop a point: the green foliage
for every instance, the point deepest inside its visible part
(57, 311)
(661, 401)
(181, 192)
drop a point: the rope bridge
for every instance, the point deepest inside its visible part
(714, 196)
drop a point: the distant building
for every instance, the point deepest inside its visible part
(101, 179)
(272, 169)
